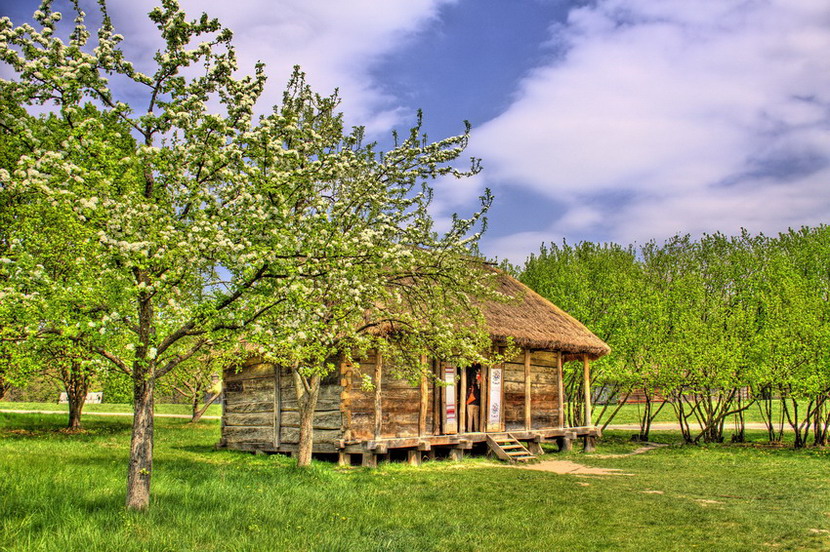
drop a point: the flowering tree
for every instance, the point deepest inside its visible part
(193, 219)
(375, 274)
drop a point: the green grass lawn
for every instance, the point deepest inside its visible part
(181, 409)
(61, 491)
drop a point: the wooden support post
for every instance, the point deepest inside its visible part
(413, 457)
(457, 454)
(484, 394)
(422, 413)
(370, 460)
(586, 372)
(277, 406)
(378, 411)
(560, 384)
(462, 401)
(564, 444)
(527, 390)
(343, 459)
(535, 446)
(590, 443)
(436, 398)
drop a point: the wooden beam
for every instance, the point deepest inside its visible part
(436, 397)
(378, 377)
(462, 402)
(484, 400)
(370, 460)
(422, 413)
(345, 398)
(277, 405)
(527, 389)
(560, 384)
(586, 372)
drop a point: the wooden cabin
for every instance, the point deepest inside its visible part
(516, 406)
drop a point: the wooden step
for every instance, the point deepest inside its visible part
(508, 448)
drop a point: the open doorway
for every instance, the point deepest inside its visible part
(472, 398)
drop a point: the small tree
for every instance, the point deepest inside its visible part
(198, 380)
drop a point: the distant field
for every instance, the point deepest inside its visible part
(631, 413)
(61, 491)
(182, 409)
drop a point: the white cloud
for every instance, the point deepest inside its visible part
(336, 43)
(664, 102)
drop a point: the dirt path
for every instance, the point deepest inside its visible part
(566, 467)
(127, 414)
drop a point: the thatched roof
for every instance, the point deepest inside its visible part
(534, 322)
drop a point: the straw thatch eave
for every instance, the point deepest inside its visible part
(533, 322)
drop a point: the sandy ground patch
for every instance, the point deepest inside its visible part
(566, 467)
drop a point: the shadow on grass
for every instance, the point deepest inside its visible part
(35, 426)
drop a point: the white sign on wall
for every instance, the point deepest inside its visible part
(451, 417)
(494, 412)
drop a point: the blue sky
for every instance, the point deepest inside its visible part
(608, 120)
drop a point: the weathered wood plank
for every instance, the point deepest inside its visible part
(249, 419)
(329, 419)
(258, 370)
(544, 358)
(239, 407)
(291, 405)
(292, 435)
(238, 397)
(259, 384)
(248, 434)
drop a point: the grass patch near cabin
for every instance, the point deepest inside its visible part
(61, 491)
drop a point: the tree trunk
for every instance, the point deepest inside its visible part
(198, 413)
(141, 442)
(76, 384)
(75, 406)
(308, 390)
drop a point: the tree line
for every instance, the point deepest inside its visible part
(707, 327)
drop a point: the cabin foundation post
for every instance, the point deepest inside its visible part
(527, 416)
(564, 443)
(343, 458)
(413, 457)
(560, 389)
(457, 454)
(589, 444)
(424, 399)
(378, 395)
(586, 373)
(535, 446)
(370, 460)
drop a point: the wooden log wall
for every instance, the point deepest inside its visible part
(400, 403)
(249, 406)
(544, 401)
(328, 419)
(256, 415)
